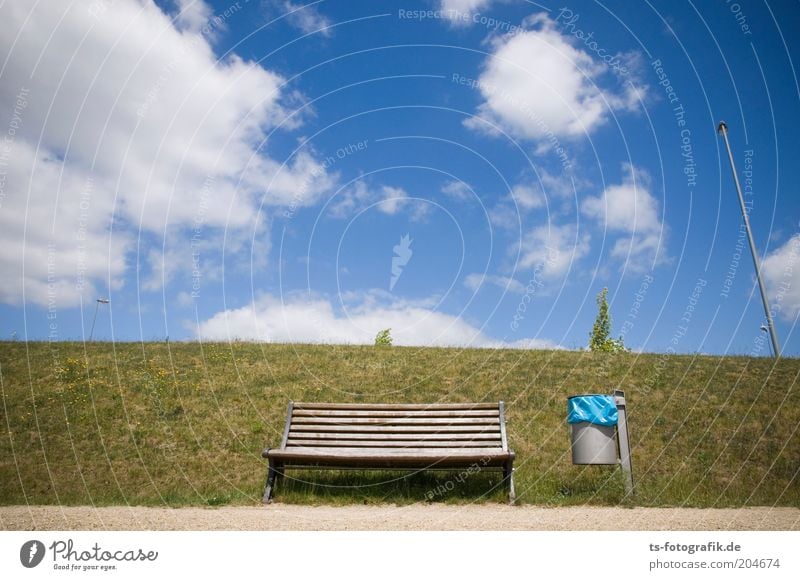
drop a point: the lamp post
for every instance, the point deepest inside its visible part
(98, 302)
(776, 350)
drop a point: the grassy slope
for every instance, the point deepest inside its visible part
(185, 424)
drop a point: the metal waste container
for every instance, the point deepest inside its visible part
(593, 419)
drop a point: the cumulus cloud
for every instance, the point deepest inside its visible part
(781, 271)
(198, 260)
(505, 216)
(135, 100)
(538, 84)
(303, 319)
(459, 11)
(523, 198)
(457, 190)
(527, 196)
(476, 281)
(56, 235)
(349, 200)
(392, 199)
(385, 199)
(551, 250)
(630, 208)
(192, 15)
(305, 18)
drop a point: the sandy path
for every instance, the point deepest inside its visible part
(412, 517)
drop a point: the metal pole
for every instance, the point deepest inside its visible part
(624, 441)
(765, 329)
(723, 128)
(97, 304)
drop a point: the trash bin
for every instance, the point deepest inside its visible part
(593, 419)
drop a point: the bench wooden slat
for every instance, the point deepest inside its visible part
(396, 428)
(367, 453)
(396, 406)
(421, 413)
(393, 421)
(402, 444)
(396, 436)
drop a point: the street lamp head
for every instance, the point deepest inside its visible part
(103, 300)
(722, 127)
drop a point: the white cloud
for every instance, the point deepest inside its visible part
(781, 271)
(307, 19)
(349, 200)
(386, 199)
(192, 14)
(396, 198)
(300, 182)
(532, 344)
(457, 190)
(551, 250)
(316, 320)
(510, 211)
(141, 105)
(191, 260)
(630, 208)
(539, 85)
(476, 281)
(184, 299)
(559, 186)
(460, 11)
(527, 196)
(626, 207)
(393, 198)
(55, 231)
(504, 215)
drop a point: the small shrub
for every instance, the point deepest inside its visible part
(600, 338)
(384, 337)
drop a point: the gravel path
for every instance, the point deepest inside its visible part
(411, 517)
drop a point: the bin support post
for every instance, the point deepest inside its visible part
(624, 442)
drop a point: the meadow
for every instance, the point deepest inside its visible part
(184, 423)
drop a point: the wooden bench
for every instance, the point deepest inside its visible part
(388, 436)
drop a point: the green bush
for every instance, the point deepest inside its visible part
(384, 337)
(600, 338)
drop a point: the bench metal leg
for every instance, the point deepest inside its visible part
(508, 475)
(272, 473)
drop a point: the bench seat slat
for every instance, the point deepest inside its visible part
(367, 457)
(394, 421)
(396, 436)
(498, 444)
(396, 406)
(396, 428)
(355, 451)
(426, 413)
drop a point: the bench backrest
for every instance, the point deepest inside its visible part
(473, 426)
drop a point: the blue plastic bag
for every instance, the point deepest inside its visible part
(597, 409)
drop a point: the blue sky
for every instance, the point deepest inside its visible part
(462, 171)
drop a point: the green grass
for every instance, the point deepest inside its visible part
(184, 424)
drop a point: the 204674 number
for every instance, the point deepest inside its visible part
(758, 563)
